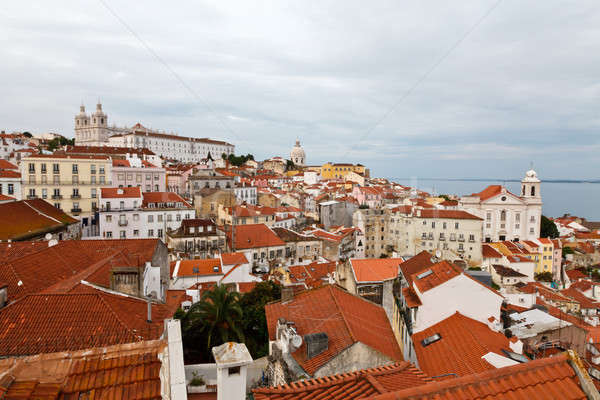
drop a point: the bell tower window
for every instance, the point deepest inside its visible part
(533, 190)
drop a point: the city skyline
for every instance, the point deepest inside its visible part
(520, 87)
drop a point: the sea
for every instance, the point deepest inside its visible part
(581, 198)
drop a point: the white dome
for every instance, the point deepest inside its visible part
(297, 154)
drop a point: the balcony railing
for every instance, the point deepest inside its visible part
(76, 196)
(56, 196)
(31, 197)
(76, 210)
(461, 239)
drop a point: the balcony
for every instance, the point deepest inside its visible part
(461, 239)
(76, 196)
(461, 250)
(56, 196)
(76, 210)
(442, 238)
(123, 223)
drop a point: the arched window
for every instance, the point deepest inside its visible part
(502, 215)
(523, 191)
(533, 190)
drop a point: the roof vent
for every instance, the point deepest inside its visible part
(431, 339)
(424, 274)
(216, 268)
(316, 343)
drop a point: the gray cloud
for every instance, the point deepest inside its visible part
(524, 86)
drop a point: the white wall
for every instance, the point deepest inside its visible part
(461, 294)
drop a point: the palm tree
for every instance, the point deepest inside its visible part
(217, 314)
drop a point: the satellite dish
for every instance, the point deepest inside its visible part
(296, 341)
(438, 254)
(48, 236)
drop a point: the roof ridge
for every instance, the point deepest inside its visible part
(337, 305)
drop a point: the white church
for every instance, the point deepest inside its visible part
(507, 216)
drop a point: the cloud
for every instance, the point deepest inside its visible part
(521, 87)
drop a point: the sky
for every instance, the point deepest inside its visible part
(426, 89)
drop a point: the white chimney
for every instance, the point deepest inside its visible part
(515, 345)
(232, 368)
(177, 388)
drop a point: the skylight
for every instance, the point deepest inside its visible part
(431, 339)
(424, 274)
(515, 356)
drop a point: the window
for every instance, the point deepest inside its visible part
(93, 193)
(11, 188)
(109, 218)
(518, 217)
(122, 234)
(488, 216)
(56, 168)
(75, 179)
(31, 168)
(102, 180)
(136, 232)
(31, 179)
(108, 205)
(169, 218)
(147, 188)
(121, 205)
(432, 225)
(456, 225)
(56, 194)
(101, 170)
(44, 193)
(471, 238)
(57, 205)
(160, 233)
(159, 217)
(156, 188)
(444, 225)
(178, 217)
(43, 167)
(93, 169)
(150, 218)
(75, 169)
(93, 180)
(108, 234)
(44, 179)
(150, 232)
(136, 217)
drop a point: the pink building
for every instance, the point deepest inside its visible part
(138, 173)
(371, 196)
(177, 177)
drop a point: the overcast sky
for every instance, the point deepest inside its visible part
(523, 86)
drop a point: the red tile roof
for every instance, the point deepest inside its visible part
(121, 163)
(546, 378)
(447, 214)
(85, 317)
(121, 193)
(203, 267)
(575, 274)
(375, 269)
(163, 197)
(28, 218)
(8, 251)
(126, 371)
(440, 273)
(416, 264)
(65, 260)
(9, 174)
(489, 192)
(361, 384)
(490, 252)
(233, 258)
(7, 165)
(345, 318)
(411, 298)
(463, 342)
(254, 236)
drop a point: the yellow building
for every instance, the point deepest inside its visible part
(71, 183)
(340, 170)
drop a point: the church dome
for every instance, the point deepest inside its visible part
(297, 155)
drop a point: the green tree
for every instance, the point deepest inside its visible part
(548, 228)
(215, 319)
(289, 165)
(254, 322)
(27, 134)
(60, 141)
(567, 250)
(544, 277)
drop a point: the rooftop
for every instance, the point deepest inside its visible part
(29, 218)
(254, 236)
(375, 269)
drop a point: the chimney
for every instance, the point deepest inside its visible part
(287, 294)
(515, 345)
(149, 319)
(176, 378)
(232, 361)
(316, 343)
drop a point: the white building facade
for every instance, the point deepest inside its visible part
(505, 215)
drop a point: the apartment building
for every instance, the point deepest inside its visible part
(127, 213)
(70, 183)
(139, 173)
(407, 231)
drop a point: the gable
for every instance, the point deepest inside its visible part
(511, 199)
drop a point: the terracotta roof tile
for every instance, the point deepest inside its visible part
(447, 214)
(233, 258)
(130, 371)
(163, 197)
(27, 218)
(121, 193)
(360, 384)
(375, 269)
(345, 318)
(254, 236)
(7, 165)
(416, 264)
(490, 252)
(210, 266)
(440, 273)
(463, 342)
